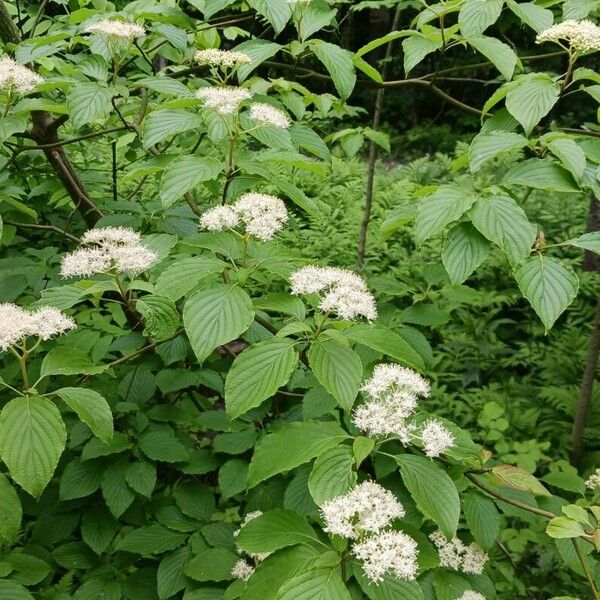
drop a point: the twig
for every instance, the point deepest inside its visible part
(38, 16)
(586, 569)
(47, 227)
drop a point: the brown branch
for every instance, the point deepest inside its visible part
(46, 227)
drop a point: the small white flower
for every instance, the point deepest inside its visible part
(84, 262)
(437, 439)
(219, 218)
(344, 292)
(242, 570)
(388, 552)
(580, 35)
(593, 481)
(263, 215)
(249, 517)
(265, 114)
(222, 58)
(471, 595)
(133, 258)
(14, 76)
(111, 235)
(368, 507)
(114, 29)
(225, 100)
(454, 554)
(16, 323)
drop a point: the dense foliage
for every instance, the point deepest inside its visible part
(200, 399)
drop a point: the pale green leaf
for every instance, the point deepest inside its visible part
(464, 250)
(332, 474)
(92, 408)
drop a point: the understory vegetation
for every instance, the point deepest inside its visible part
(299, 300)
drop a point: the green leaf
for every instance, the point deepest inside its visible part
(277, 12)
(92, 408)
(318, 584)
(259, 51)
(88, 102)
(531, 14)
(141, 477)
(163, 446)
(483, 519)
(292, 446)
(464, 250)
(338, 63)
(439, 209)
(151, 539)
(161, 124)
(274, 530)
(65, 360)
(332, 474)
(13, 591)
(416, 48)
(337, 368)
(232, 477)
(185, 274)
(387, 342)
(578, 9)
(216, 316)
(165, 85)
(570, 154)
(257, 373)
(428, 484)
(98, 528)
(587, 241)
(502, 221)
(195, 500)
(32, 438)
(80, 479)
(391, 588)
(161, 319)
(214, 564)
(549, 285)
(563, 527)
(541, 174)
(518, 479)
(490, 144)
(117, 494)
(11, 512)
(499, 53)
(184, 174)
(476, 16)
(170, 577)
(531, 99)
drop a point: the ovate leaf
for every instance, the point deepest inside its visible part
(416, 48)
(587, 241)
(549, 285)
(292, 446)
(216, 316)
(257, 373)
(32, 438)
(161, 319)
(531, 14)
(483, 518)
(185, 274)
(318, 584)
(464, 250)
(339, 64)
(332, 474)
(489, 144)
(161, 124)
(184, 174)
(11, 512)
(88, 102)
(476, 16)
(499, 53)
(92, 408)
(541, 174)
(518, 479)
(531, 99)
(433, 491)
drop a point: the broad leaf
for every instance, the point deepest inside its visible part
(549, 285)
(32, 438)
(162, 124)
(319, 584)
(161, 319)
(184, 174)
(464, 250)
(587, 241)
(92, 408)
(483, 519)
(476, 16)
(487, 145)
(416, 48)
(88, 102)
(11, 512)
(332, 474)
(339, 64)
(531, 14)
(185, 274)
(541, 174)
(257, 373)
(531, 99)
(499, 53)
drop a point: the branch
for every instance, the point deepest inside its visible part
(46, 227)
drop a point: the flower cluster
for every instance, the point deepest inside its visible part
(365, 515)
(14, 76)
(471, 595)
(17, 324)
(265, 114)
(225, 100)
(436, 438)
(454, 554)
(107, 249)
(343, 292)
(593, 481)
(243, 569)
(262, 215)
(581, 36)
(222, 58)
(115, 29)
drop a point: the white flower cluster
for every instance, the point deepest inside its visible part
(365, 514)
(222, 58)
(14, 76)
(106, 249)
(582, 36)
(343, 292)
(113, 28)
(243, 569)
(265, 114)
(471, 595)
(454, 554)
(593, 481)
(225, 100)
(17, 324)
(436, 438)
(262, 215)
